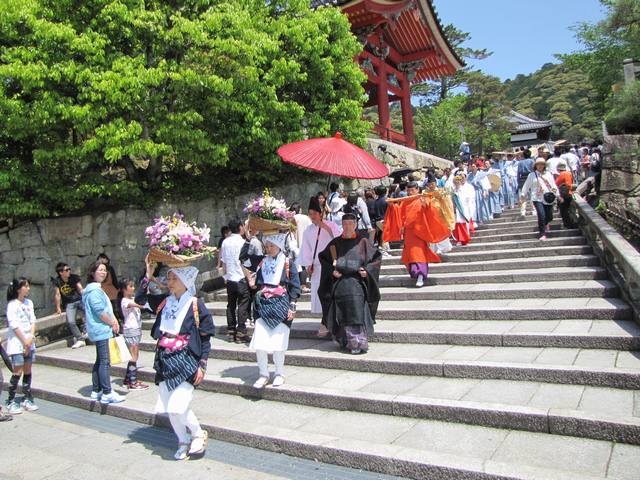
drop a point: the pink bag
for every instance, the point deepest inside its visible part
(174, 344)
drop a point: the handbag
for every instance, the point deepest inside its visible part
(547, 197)
(118, 351)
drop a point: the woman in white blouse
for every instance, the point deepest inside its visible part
(541, 189)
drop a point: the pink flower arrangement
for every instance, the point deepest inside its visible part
(268, 207)
(174, 235)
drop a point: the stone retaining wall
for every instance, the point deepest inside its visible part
(32, 249)
(620, 185)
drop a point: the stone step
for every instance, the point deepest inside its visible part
(533, 234)
(494, 309)
(520, 222)
(502, 264)
(499, 276)
(593, 334)
(517, 244)
(492, 230)
(553, 289)
(407, 447)
(596, 367)
(587, 412)
(460, 255)
(510, 245)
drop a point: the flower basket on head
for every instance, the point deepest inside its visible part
(268, 214)
(176, 243)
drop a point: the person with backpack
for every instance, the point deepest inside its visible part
(334, 204)
(564, 182)
(183, 330)
(278, 289)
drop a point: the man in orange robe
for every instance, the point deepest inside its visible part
(419, 223)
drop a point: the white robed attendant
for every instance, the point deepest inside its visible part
(315, 239)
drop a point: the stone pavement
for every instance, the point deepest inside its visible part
(63, 443)
(517, 360)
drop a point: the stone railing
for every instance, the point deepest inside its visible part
(616, 254)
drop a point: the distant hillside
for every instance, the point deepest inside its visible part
(558, 93)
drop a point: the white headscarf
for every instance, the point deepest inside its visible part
(187, 276)
(175, 310)
(279, 240)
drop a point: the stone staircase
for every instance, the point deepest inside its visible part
(517, 360)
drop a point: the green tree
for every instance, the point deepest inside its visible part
(114, 101)
(431, 93)
(438, 128)
(561, 94)
(606, 44)
(486, 107)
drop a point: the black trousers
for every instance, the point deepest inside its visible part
(564, 207)
(238, 300)
(545, 216)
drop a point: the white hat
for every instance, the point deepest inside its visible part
(279, 240)
(561, 166)
(187, 276)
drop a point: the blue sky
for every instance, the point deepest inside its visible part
(522, 34)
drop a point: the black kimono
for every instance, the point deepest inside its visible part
(350, 302)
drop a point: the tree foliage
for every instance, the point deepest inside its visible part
(606, 44)
(431, 93)
(561, 94)
(114, 101)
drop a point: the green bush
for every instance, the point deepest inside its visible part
(624, 114)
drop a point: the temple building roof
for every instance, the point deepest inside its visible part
(408, 33)
(521, 122)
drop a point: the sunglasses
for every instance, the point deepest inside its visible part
(66, 269)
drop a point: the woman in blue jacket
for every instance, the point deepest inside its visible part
(101, 326)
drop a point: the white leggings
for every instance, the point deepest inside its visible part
(263, 362)
(177, 405)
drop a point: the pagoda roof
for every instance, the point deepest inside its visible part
(411, 27)
(523, 123)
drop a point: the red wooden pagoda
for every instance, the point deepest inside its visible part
(403, 44)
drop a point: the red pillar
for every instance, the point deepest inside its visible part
(407, 112)
(383, 100)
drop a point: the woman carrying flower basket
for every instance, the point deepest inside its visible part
(183, 329)
(278, 287)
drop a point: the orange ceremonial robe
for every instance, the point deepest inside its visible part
(422, 225)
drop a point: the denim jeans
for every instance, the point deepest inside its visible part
(545, 216)
(72, 312)
(100, 377)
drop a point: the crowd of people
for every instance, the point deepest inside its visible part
(334, 254)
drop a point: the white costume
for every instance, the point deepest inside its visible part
(309, 252)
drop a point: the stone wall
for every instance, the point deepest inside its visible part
(620, 184)
(32, 249)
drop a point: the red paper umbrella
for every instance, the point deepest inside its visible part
(334, 156)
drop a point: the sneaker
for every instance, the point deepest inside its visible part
(278, 381)
(95, 395)
(112, 397)
(322, 332)
(385, 254)
(4, 417)
(356, 351)
(14, 408)
(183, 452)
(79, 344)
(543, 238)
(199, 444)
(137, 385)
(261, 382)
(29, 406)
(242, 337)
(420, 282)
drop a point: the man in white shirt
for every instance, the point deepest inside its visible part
(314, 240)
(552, 163)
(233, 274)
(572, 161)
